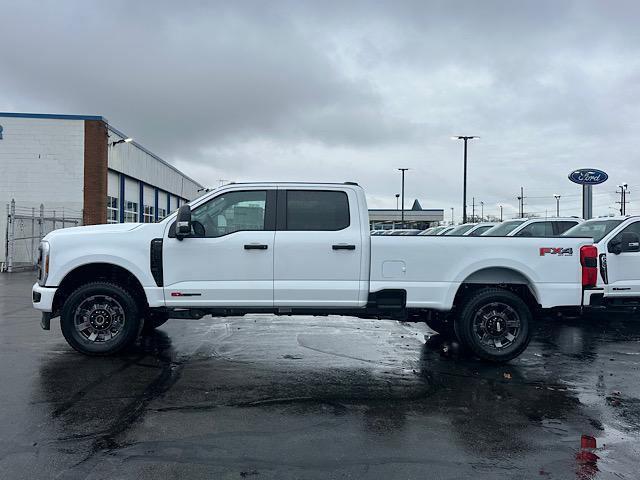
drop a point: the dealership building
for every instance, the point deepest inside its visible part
(83, 168)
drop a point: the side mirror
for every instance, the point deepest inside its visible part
(630, 242)
(183, 222)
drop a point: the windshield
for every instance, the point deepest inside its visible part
(596, 229)
(459, 230)
(504, 228)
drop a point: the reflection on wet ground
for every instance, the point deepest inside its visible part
(312, 397)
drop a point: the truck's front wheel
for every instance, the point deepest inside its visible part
(494, 324)
(100, 318)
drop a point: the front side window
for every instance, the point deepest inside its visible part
(633, 228)
(460, 229)
(230, 212)
(536, 229)
(504, 228)
(317, 210)
(480, 230)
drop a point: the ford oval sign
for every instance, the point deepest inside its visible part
(588, 176)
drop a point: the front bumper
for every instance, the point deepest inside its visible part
(42, 297)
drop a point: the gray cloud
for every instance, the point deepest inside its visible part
(348, 90)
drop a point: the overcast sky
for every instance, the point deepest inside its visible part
(334, 91)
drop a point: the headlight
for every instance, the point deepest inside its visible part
(43, 263)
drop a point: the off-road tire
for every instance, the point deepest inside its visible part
(131, 322)
(490, 300)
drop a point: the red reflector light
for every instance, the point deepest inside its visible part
(589, 262)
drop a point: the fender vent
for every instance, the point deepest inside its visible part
(156, 261)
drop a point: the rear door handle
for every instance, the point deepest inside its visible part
(343, 246)
(255, 246)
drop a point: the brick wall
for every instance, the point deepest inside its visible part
(95, 172)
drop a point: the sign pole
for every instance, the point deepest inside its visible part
(587, 202)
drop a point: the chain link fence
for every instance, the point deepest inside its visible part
(26, 227)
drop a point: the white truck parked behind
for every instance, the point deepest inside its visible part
(296, 248)
(617, 240)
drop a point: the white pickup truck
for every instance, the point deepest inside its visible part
(618, 242)
(296, 248)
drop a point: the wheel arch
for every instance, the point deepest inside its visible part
(507, 278)
(91, 272)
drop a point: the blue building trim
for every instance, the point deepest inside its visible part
(141, 211)
(121, 198)
(155, 209)
(168, 203)
(55, 116)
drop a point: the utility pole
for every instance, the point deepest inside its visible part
(557, 197)
(402, 213)
(481, 211)
(521, 202)
(397, 197)
(623, 198)
(464, 182)
(473, 208)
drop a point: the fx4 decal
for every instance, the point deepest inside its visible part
(562, 252)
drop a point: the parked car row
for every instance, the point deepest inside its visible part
(519, 227)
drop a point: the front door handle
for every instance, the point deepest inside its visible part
(255, 246)
(344, 246)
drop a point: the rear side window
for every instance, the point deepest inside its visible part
(317, 210)
(536, 229)
(562, 227)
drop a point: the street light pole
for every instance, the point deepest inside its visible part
(473, 209)
(500, 212)
(481, 211)
(557, 197)
(465, 138)
(623, 198)
(402, 212)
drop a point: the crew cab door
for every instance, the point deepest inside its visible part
(623, 263)
(318, 249)
(227, 261)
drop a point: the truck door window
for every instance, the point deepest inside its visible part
(562, 227)
(317, 210)
(536, 229)
(633, 228)
(230, 212)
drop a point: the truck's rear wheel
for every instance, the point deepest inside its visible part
(494, 324)
(100, 318)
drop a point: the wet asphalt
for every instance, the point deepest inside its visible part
(266, 397)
